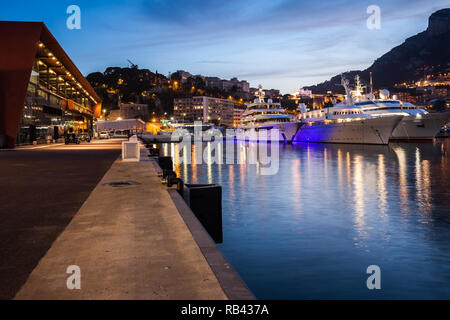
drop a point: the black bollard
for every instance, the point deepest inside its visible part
(165, 163)
(205, 200)
(172, 179)
(154, 152)
(168, 174)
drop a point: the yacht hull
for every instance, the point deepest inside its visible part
(425, 128)
(286, 132)
(367, 131)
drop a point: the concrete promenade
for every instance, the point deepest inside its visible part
(132, 242)
(41, 189)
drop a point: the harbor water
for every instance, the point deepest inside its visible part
(311, 230)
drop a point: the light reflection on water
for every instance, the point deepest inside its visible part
(331, 211)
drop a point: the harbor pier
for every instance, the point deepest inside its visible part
(133, 239)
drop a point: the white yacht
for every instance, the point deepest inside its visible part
(417, 123)
(261, 115)
(345, 123)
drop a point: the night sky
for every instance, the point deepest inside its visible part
(284, 44)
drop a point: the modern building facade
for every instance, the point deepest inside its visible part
(42, 93)
(242, 85)
(214, 82)
(114, 115)
(268, 93)
(205, 109)
(227, 85)
(184, 75)
(237, 115)
(134, 111)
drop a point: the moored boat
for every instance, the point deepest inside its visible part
(417, 123)
(261, 117)
(345, 123)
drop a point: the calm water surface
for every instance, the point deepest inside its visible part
(311, 231)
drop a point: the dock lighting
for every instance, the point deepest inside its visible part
(119, 118)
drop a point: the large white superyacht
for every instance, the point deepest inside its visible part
(417, 123)
(264, 116)
(345, 123)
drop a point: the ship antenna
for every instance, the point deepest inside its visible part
(371, 83)
(348, 93)
(260, 94)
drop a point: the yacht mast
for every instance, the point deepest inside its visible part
(348, 94)
(260, 94)
(358, 93)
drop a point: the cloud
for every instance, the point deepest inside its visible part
(290, 41)
(215, 62)
(215, 19)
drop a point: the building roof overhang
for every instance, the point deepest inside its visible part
(49, 41)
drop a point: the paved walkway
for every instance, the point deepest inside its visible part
(130, 243)
(40, 191)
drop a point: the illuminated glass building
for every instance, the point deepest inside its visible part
(42, 93)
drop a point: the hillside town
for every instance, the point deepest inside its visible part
(182, 97)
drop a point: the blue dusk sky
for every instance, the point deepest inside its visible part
(284, 44)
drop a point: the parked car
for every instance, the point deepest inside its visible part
(104, 135)
(71, 138)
